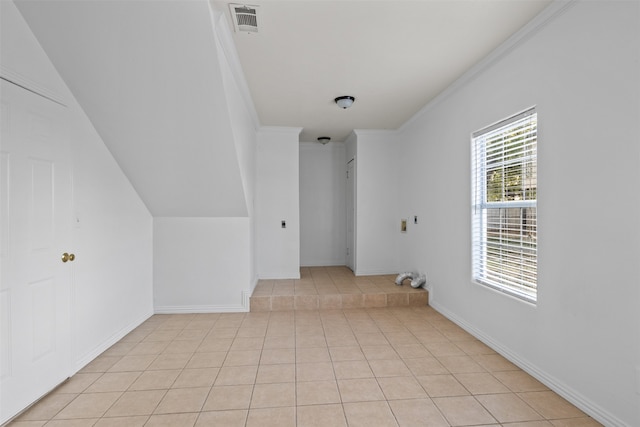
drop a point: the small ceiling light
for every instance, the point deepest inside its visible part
(323, 139)
(344, 102)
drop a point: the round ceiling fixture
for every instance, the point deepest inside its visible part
(344, 102)
(323, 139)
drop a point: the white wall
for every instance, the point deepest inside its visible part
(112, 284)
(113, 274)
(278, 199)
(581, 72)
(322, 204)
(207, 264)
(377, 214)
(201, 264)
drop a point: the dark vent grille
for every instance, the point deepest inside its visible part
(246, 18)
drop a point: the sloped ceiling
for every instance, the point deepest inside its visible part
(147, 75)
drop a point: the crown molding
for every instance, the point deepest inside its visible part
(550, 13)
(387, 132)
(331, 145)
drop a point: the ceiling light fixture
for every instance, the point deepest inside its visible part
(323, 139)
(344, 102)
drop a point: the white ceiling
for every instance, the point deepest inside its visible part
(393, 56)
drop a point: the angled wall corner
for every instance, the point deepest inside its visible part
(164, 119)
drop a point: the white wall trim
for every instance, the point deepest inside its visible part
(30, 85)
(280, 276)
(367, 132)
(374, 272)
(99, 349)
(310, 145)
(246, 298)
(230, 53)
(551, 12)
(181, 309)
(334, 263)
(567, 392)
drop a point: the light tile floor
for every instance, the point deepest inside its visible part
(393, 366)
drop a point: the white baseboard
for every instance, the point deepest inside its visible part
(583, 403)
(100, 348)
(283, 275)
(374, 272)
(334, 263)
(181, 309)
(246, 300)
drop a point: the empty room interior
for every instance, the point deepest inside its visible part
(320, 213)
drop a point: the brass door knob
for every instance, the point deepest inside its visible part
(68, 257)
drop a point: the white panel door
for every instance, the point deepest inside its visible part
(351, 215)
(35, 225)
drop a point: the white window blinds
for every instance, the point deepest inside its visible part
(504, 214)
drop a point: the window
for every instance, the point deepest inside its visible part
(504, 213)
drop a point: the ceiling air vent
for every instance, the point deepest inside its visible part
(245, 17)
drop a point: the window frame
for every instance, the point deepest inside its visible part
(523, 283)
